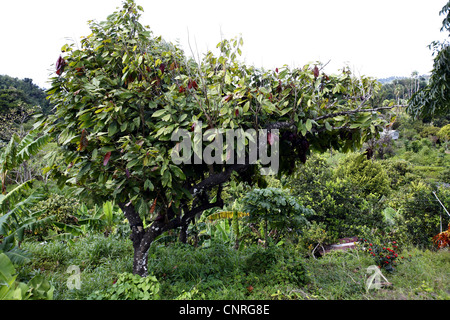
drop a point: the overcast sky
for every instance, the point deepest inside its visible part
(376, 38)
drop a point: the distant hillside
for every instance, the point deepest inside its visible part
(393, 78)
(14, 91)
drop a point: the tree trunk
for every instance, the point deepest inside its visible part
(138, 234)
(183, 233)
(140, 262)
(140, 255)
(143, 238)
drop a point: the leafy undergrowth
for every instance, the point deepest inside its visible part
(220, 272)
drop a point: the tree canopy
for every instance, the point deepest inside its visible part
(122, 96)
(434, 99)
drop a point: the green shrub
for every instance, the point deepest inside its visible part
(289, 271)
(275, 210)
(444, 133)
(429, 131)
(129, 287)
(400, 173)
(419, 213)
(261, 260)
(311, 239)
(352, 194)
(368, 175)
(274, 266)
(63, 208)
(416, 146)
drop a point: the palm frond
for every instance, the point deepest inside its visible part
(7, 157)
(14, 194)
(18, 256)
(14, 219)
(30, 146)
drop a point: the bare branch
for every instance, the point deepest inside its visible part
(342, 113)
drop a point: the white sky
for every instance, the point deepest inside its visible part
(376, 38)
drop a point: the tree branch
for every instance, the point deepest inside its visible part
(342, 113)
(281, 125)
(130, 213)
(216, 179)
(191, 214)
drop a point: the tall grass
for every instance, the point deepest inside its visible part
(100, 259)
(221, 272)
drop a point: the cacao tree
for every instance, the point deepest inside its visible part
(122, 96)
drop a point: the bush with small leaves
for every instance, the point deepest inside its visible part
(129, 287)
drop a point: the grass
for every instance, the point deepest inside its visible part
(220, 272)
(425, 276)
(100, 260)
(342, 275)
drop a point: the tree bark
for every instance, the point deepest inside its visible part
(183, 233)
(137, 235)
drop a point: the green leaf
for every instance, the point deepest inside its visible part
(308, 125)
(125, 58)
(6, 269)
(112, 129)
(83, 171)
(133, 163)
(159, 113)
(15, 193)
(227, 78)
(166, 117)
(18, 256)
(148, 185)
(166, 179)
(178, 172)
(246, 106)
(339, 118)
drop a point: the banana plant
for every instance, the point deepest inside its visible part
(110, 217)
(17, 151)
(219, 231)
(103, 218)
(37, 288)
(234, 215)
(218, 227)
(15, 214)
(17, 218)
